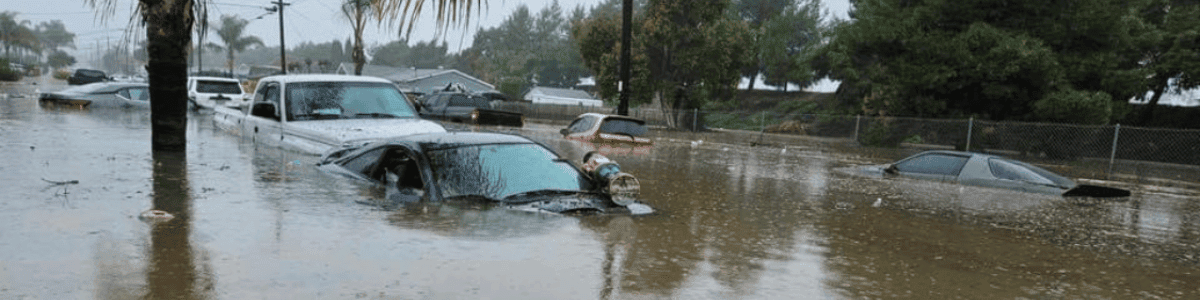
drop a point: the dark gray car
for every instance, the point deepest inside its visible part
(992, 171)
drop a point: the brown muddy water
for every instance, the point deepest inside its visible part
(733, 221)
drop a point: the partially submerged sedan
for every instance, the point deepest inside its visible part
(609, 133)
(986, 170)
(101, 94)
(497, 168)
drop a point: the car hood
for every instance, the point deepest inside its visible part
(576, 204)
(346, 130)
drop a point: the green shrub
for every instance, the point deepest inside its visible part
(7, 73)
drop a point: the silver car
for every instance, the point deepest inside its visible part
(992, 171)
(101, 94)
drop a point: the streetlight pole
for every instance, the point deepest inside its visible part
(282, 46)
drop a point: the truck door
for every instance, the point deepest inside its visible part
(265, 117)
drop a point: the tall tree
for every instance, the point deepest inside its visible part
(16, 34)
(788, 43)
(359, 12)
(1172, 56)
(758, 13)
(686, 54)
(230, 32)
(54, 35)
(1010, 60)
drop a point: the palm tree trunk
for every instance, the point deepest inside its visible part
(168, 31)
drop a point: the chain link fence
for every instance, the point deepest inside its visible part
(1094, 151)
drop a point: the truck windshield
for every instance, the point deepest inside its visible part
(345, 100)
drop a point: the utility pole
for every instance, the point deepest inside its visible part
(626, 39)
(282, 46)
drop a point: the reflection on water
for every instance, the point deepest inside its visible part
(731, 221)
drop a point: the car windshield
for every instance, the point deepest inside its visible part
(620, 126)
(497, 171)
(218, 87)
(345, 100)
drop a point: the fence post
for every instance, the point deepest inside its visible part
(1113, 157)
(857, 120)
(695, 111)
(970, 126)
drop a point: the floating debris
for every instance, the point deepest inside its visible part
(155, 216)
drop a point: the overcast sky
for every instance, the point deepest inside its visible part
(315, 21)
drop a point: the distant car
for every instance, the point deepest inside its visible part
(600, 132)
(495, 168)
(993, 171)
(101, 94)
(86, 76)
(209, 92)
(466, 108)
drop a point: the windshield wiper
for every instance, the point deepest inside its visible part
(547, 192)
(377, 115)
(473, 197)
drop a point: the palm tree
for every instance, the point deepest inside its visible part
(358, 11)
(230, 32)
(16, 34)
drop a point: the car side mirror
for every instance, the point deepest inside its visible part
(891, 169)
(564, 132)
(265, 110)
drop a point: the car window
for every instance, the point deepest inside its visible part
(136, 93)
(936, 164)
(218, 87)
(582, 124)
(500, 170)
(464, 101)
(1015, 170)
(620, 126)
(345, 100)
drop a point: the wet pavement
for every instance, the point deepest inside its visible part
(792, 220)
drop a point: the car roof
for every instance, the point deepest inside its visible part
(619, 117)
(214, 78)
(322, 78)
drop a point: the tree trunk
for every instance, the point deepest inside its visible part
(1148, 110)
(168, 31)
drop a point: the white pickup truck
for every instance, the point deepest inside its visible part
(315, 113)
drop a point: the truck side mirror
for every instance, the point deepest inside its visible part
(564, 132)
(265, 110)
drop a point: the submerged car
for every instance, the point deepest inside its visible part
(505, 169)
(86, 76)
(609, 133)
(210, 92)
(987, 170)
(316, 113)
(101, 94)
(461, 107)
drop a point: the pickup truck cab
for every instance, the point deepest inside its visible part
(315, 113)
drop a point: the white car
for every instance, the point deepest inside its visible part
(210, 92)
(316, 113)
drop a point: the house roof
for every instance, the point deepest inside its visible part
(402, 75)
(561, 93)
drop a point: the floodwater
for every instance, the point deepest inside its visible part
(733, 221)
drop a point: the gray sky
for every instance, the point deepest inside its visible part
(315, 21)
